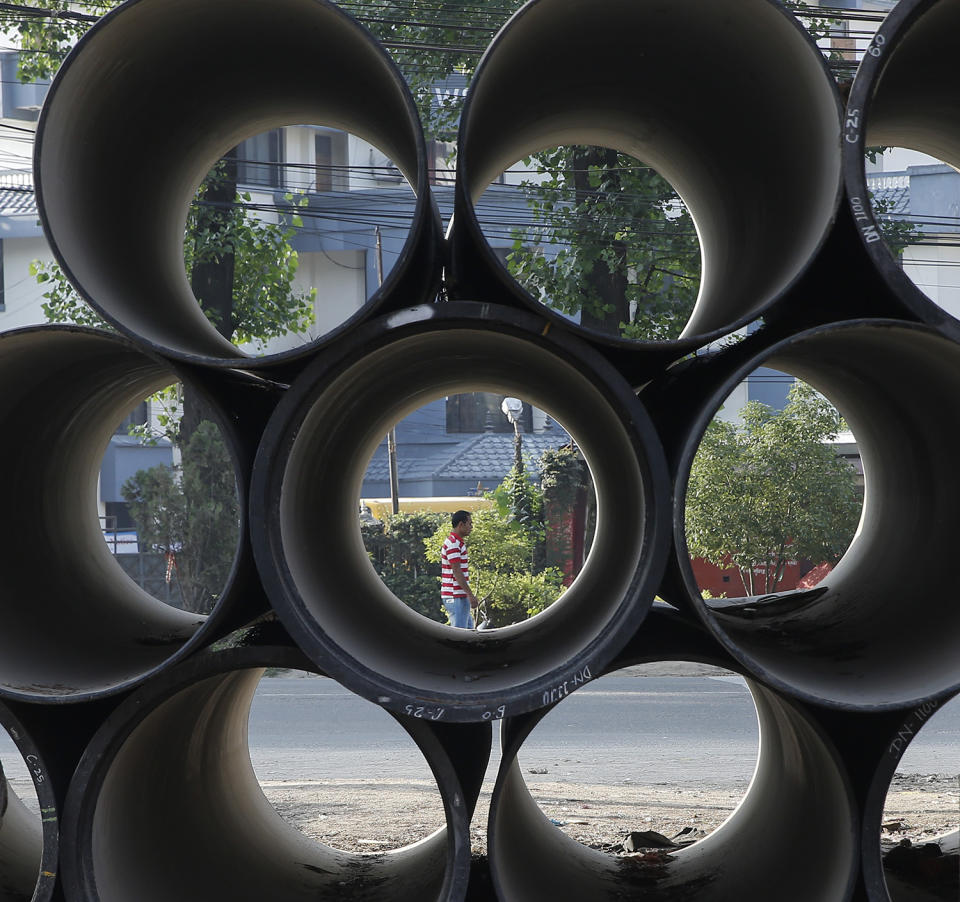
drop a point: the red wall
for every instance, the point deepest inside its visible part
(726, 581)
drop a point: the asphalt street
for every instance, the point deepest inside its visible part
(617, 729)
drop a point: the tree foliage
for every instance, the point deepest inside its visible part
(48, 30)
(190, 511)
(265, 302)
(611, 241)
(771, 489)
(396, 549)
(431, 40)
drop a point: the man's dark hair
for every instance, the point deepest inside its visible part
(459, 517)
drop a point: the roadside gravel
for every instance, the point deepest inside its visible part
(372, 815)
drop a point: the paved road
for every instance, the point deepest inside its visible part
(618, 728)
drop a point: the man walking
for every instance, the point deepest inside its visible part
(455, 575)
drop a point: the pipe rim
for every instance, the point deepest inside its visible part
(466, 221)
(895, 747)
(36, 764)
(420, 248)
(230, 658)
(147, 622)
(808, 672)
(516, 731)
(399, 685)
(895, 26)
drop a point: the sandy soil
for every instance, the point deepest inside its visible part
(371, 815)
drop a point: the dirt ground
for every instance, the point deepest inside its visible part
(371, 815)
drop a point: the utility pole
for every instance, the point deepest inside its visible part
(392, 434)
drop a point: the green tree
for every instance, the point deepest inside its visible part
(397, 551)
(569, 508)
(771, 489)
(611, 241)
(191, 512)
(264, 302)
(241, 268)
(429, 40)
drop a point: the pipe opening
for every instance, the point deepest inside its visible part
(798, 780)
(757, 231)
(532, 514)
(901, 102)
(265, 71)
(598, 237)
(677, 753)
(878, 631)
(276, 199)
(320, 757)
(775, 492)
(201, 828)
(76, 623)
(913, 202)
(920, 827)
(325, 587)
(21, 827)
(172, 521)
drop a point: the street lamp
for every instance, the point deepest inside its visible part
(512, 409)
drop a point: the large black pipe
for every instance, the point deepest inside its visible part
(119, 113)
(74, 624)
(29, 839)
(893, 745)
(904, 95)
(881, 631)
(165, 804)
(306, 534)
(750, 94)
(792, 838)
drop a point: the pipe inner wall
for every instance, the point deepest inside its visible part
(109, 119)
(604, 72)
(798, 782)
(199, 828)
(881, 630)
(913, 92)
(74, 623)
(324, 586)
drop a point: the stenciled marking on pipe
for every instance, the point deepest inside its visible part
(851, 126)
(422, 711)
(909, 729)
(498, 714)
(869, 232)
(580, 677)
(36, 771)
(877, 45)
(48, 815)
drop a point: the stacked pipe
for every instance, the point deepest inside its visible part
(131, 716)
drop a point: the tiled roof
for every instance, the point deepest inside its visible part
(17, 201)
(490, 456)
(487, 456)
(894, 198)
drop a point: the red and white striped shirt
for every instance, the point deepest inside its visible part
(453, 553)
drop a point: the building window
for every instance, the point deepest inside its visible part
(331, 161)
(259, 159)
(139, 416)
(324, 161)
(118, 516)
(480, 412)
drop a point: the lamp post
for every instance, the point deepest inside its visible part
(512, 409)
